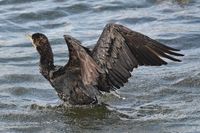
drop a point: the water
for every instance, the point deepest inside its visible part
(156, 99)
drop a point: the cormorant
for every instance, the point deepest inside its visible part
(105, 68)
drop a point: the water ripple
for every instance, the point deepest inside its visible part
(138, 20)
(8, 2)
(40, 15)
(20, 78)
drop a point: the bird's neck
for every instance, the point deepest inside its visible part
(46, 63)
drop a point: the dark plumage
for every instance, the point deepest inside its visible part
(107, 67)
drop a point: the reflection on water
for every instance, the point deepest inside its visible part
(156, 99)
(180, 2)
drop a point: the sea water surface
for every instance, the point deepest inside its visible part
(162, 99)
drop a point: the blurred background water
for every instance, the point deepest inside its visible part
(156, 99)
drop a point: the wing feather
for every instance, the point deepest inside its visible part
(89, 69)
(119, 50)
(80, 58)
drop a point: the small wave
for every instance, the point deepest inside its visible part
(186, 41)
(138, 20)
(185, 19)
(7, 106)
(53, 25)
(18, 91)
(188, 82)
(16, 59)
(20, 78)
(30, 94)
(67, 106)
(144, 112)
(8, 2)
(99, 111)
(77, 8)
(117, 5)
(37, 16)
(152, 109)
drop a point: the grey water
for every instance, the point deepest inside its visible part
(162, 99)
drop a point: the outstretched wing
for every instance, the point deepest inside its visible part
(120, 49)
(89, 69)
(79, 58)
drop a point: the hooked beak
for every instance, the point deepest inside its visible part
(29, 37)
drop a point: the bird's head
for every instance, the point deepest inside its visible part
(40, 42)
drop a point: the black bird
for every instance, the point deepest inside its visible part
(105, 68)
